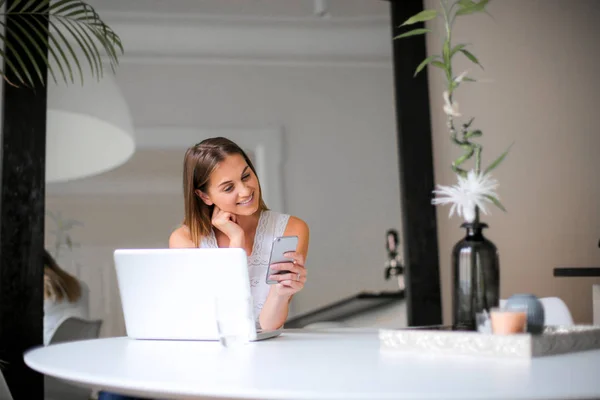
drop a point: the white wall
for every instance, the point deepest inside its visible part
(541, 56)
(340, 170)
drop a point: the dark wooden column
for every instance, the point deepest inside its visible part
(22, 197)
(415, 156)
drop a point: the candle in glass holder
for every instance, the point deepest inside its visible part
(507, 322)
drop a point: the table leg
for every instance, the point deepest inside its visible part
(596, 303)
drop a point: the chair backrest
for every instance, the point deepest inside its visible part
(70, 330)
(556, 311)
(73, 329)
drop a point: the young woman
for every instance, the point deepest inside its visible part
(64, 296)
(224, 208)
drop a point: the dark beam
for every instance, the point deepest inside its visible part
(415, 156)
(22, 196)
(577, 272)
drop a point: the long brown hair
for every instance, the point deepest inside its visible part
(58, 283)
(199, 163)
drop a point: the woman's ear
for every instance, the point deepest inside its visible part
(204, 197)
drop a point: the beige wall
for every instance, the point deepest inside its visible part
(542, 58)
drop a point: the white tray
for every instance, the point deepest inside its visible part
(553, 340)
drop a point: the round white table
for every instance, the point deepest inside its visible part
(303, 364)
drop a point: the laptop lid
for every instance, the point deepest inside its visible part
(170, 293)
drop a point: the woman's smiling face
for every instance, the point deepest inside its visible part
(233, 187)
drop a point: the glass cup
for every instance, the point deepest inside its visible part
(483, 323)
(234, 320)
(508, 321)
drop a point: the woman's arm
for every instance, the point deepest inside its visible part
(276, 307)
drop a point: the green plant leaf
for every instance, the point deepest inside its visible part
(27, 6)
(17, 56)
(473, 134)
(33, 43)
(82, 45)
(9, 63)
(111, 48)
(44, 32)
(467, 79)
(438, 64)
(41, 6)
(74, 19)
(14, 5)
(425, 15)
(92, 47)
(414, 32)
(472, 8)
(464, 157)
(425, 62)
(62, 7)
(459, 171)
(456, 49)
(497, 162)
(446, 52)
(467, 146)
(11, 67)
(496, 202)
(471, 57)
(65, 41)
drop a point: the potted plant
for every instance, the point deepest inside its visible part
(476, 282)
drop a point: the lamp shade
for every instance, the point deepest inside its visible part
(88, 130)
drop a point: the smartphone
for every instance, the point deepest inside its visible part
(281, 245)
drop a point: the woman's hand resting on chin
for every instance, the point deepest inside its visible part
(226, 222)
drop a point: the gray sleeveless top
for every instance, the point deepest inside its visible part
(270, 225)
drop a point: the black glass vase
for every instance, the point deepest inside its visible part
(476, 277)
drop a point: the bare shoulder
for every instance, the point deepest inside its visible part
(297, 227)
(181, 238)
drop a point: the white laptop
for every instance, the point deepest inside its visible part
(169, 294)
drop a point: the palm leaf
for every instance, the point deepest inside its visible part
(51, 48)
(74, 33)
(29, 40)
(85, 47)
(17, 57)
(68, 46)
(10, 65)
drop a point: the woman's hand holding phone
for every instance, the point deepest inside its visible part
(293, 279)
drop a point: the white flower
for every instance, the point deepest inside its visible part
(470, 192)
(450, 108)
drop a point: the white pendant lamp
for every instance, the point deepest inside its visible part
(89, 129)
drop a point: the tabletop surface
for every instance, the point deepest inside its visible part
(301, 364)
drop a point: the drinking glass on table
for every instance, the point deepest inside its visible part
(234, 320)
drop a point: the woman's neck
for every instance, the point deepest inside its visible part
(248, 223)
